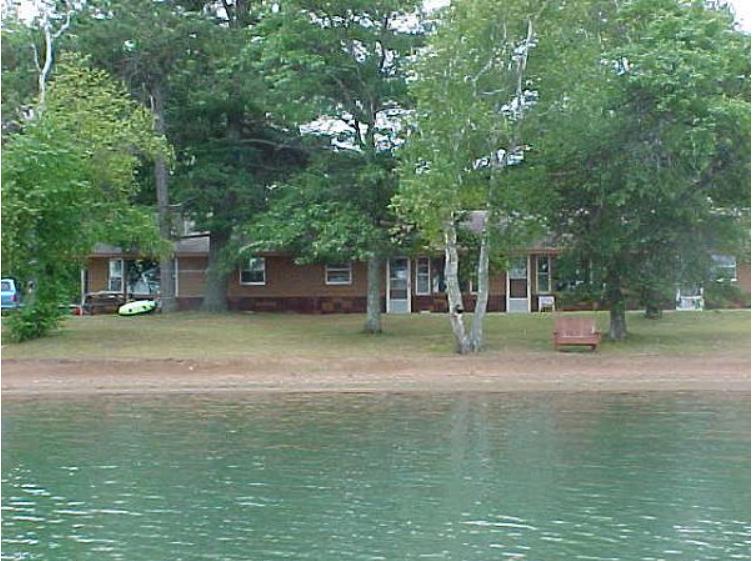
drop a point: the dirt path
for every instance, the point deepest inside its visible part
(488, 372)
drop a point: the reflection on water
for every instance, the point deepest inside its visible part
(379, 476)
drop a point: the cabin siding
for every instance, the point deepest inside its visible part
(743, 277)
(286, 279)
(191, 277)
(290, 287)
(97, 271)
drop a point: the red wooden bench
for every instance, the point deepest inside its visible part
(575, 331)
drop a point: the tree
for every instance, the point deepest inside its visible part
(18, 71)
(141, 41)
(473, 94)
(342, 63)
(231, 143)
(319, 216)
(200, 75)
(67, 184)
(648, 151)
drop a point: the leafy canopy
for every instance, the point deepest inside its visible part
(68, 181)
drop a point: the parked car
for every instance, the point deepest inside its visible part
(10, 294)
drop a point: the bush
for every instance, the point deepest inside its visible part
(34, 320)
(725, 295)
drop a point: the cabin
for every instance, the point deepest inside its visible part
(272, 281)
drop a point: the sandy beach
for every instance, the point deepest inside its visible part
(486, 372)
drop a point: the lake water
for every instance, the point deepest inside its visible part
(493, 476)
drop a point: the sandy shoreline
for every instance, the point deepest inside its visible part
(488, 372)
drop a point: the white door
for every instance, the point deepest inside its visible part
(518, 289)
(398, 285)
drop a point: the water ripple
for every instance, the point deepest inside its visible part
(533, 477)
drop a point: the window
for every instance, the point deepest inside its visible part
(254, 271)
(543, 274)
(423, 275)
(518, 268)
(571, 274)
(469, 283)
(115, 277)
(725, 267)
(341, 273)
(437, 280)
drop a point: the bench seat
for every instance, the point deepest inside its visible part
(576, 331)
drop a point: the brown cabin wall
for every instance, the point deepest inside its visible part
(743, 277)
(292, 287)
(302, 288)
(285, 279)
(191, 276)
(97, 269)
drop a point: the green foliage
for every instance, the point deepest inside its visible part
(342, 62)
(229, 138)
(468, 118)
(323, 214)
(647, 143)
(724, 294)
(18, 71)
(45, 313)
(68, 180)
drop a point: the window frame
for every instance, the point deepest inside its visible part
(437, 278)
(246, 267)
(339, 268)
(512, 268)
(427, 276)
(718, 267)
(548, 274)
(110, 276)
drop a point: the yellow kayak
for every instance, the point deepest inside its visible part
(137, 308)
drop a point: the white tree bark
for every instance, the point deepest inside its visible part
(482, 294)
(50, 36)
(474, 341)
(454, 296)
(373, 296)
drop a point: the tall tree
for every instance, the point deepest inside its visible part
(343, 62)
(142, 41)
(230, 142)
(648, 150)
(473, 94)
(68, 182)
(18, 71)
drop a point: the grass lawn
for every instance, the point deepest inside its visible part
(204, 336)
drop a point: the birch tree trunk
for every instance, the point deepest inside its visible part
(166, 262)
(373, 296)
(454, 296)
(43, 70)
(482, 294)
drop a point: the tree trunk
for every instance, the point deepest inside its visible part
(215, 288)
(616, 301)
(652, 299)
(454, 296)
(373, 296)
(482, 294)
(653, 311)
(166, 262)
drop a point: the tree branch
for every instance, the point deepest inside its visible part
(65, 26)
(36, 58)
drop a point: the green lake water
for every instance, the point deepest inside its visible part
(492, 476)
